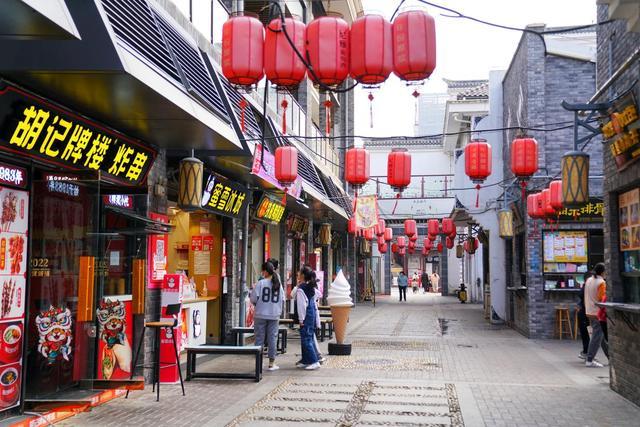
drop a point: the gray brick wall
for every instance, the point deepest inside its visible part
(615, 42)
(534, 87)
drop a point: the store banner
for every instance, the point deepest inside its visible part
(591, 212)
(223, 197)
(620, 131)
(367, 211)
(267, 170)
(115, 332)
(34, 127)
(270, 209)
(629, 220)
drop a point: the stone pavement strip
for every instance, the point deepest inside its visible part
(428, 362)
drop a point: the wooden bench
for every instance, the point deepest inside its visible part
(281, 345)
(193, 351)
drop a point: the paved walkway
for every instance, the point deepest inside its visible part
(430, 361)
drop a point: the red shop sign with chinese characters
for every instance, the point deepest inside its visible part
(37, 128)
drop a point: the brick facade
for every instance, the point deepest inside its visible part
(533, 89)
(624, 343)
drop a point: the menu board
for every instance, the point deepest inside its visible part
(14, 222)
(565, 246)
(629, 220)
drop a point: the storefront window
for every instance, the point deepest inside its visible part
(629, 222)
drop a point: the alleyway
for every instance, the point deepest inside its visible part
(430, 361)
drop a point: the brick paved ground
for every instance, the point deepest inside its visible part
(431, 361)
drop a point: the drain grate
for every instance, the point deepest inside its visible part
(395, 345)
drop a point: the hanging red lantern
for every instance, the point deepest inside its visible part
(399, 169)
(453, 234)
(524, 157)
(356, 171)
(425, 252)
(282, 65)
(548, 210)
(555, 188)
(440, 247)
(352, 227)
(242, 50)
(286, 164)
(410, 227)
(466, 246)
(402, 251)
(413, 238)
(382, 248)
(471, 245)
(394, 248)
(328, 50)
(381, 240)
(477, 160)
(371, 49)
(450, 242)
(414, 45)
(535, 207)
(433, 228)
(428, 244)
(412, 244)
(402, 242)
(388, 234)
(448, 226)
(380, 227)
(411, 251)
(368, 233)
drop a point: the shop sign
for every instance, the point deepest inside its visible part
(297, 225)
(620, 131)
(267, 171)
(119, 200)
(34, 127)
(13, 175)
(157, 254)
(592, 211)
(224, 197)
(629, 220)
(40, 267)
(270, 209)
(267, 245)
(196, 243)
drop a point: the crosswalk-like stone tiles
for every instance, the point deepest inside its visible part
(374, 403)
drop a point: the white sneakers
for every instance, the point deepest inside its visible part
(312, 367)
(593, 364)
(273, 367)
(582, 356)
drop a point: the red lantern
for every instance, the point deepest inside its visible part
(448, 226)
(414, 45)
(428, 244)
(477, 160)
(371, 49)
(412, 244)
(352, 227)
(471, 245)
(368, 233)
(328, 49)
(440, 247)
(388, 234)
(425, 252)
(401, 242)
(380, 228)
(413, 238)
(454, 233)
(394, 248)
(281, 64)
(382, 248)
(402, 251)
(546, 203)
(433, 228)
(411, 251)
(242, 50)
(535, 207)
(524, 157)
(556, 194)
(410, 227)
(286, 165)
(381, 240)
(399, 169)
(450, 243)
(466, 246)
(356, 171)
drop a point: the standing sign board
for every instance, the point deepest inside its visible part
(171, 294)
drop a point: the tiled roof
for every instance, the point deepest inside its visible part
(480, 91)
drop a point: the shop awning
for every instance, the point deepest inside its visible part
(36, 19)
(149, 226)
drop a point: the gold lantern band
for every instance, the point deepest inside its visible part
(324, 235)
(505, 220)
(190, 184)
(575, 179)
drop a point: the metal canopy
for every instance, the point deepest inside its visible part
(36, 19)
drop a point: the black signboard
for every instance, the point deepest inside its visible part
(224, 197)
(35, 127)
(592, 211)
(13, 175)
(270, 208)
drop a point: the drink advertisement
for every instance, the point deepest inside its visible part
(115, 332)
(171, 294)
(14, 221)
(157, 254)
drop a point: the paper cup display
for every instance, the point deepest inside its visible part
(10, 342)
(9, 385)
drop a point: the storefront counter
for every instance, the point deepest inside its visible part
(631, 308)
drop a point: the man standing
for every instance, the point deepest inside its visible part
(403, 283)
(426, 281)
(595, 290)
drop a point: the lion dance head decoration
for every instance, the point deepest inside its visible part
(111, 317)
(54, 330)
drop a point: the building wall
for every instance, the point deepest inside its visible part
(615, 43)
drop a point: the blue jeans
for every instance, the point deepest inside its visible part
(307, 335)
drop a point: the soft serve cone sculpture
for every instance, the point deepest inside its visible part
(339, 299)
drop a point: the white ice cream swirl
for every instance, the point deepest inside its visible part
(340, 291)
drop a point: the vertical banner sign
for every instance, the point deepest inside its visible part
(303, 253)
(115, 334)
(367, 212)
(31, 126)
(14, 223)
(171, 294)
(267, 245)
(157, 254)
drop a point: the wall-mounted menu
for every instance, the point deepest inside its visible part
(629, 219)
(565, 246)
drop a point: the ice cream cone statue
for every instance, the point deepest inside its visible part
(339, 299)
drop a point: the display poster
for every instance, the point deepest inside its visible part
(115, 333)
(205, 226)
(202, 262)
(157, 254)
(171, 294)
(629, 220)
(207, 243)
(565, 247)
(196, 243)
(288, 266)
(14, 223)
(366, 212)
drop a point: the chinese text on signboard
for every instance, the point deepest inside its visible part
(270, 209)
(224, 197)
(592, 211)
(34, 127)
(618, 129)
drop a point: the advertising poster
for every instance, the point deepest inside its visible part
(171, 294)
(115, 333)
(14, 222)
(157, 254)
(565, 247)
(629, 220)
(367, 212)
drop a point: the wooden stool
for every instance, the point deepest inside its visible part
(576, 325)
(562, 318)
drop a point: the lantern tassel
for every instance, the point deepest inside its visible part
(415, 95)
(477, 195)
(370, 109)
(327, 109)
(284, 104)
(284, 196)
(523, 186)
(396, 204)
(355, 210)
(243, 106)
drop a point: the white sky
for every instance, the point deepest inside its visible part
(465, 50)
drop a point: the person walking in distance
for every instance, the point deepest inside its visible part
(403, 283)
(307, 314)
(595, 289)
(268, 297)
(583, 322)
(426, 282)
